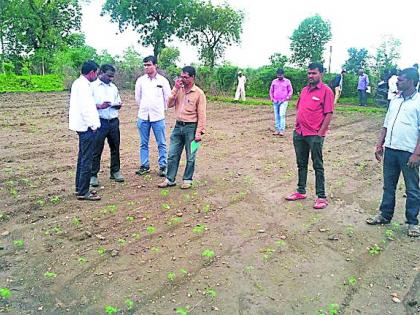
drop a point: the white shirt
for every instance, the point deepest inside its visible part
(103, 92)
(403, 123)
(392, 87)
(152, 96)
(241, 81)
(82, 111)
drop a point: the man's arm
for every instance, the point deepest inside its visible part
(166, 92)
(174, 93)
(325, 124)
(328, 111)
(289, 91)
(201, 116)
(88, 108)
(137, 92)
(271, 92)
(379, 148)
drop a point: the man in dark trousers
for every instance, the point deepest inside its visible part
(314, 111)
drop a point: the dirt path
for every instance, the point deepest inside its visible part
(140, 249)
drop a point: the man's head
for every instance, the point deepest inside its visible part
(416, 65)
(188, 76)
(239, 73)
(343, 72)
(90, 70)
(150, 64)
(106, 73)
(280, 74)
(315, 72)
(360, 71)
(408, 79)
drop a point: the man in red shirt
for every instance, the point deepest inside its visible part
(314, 111)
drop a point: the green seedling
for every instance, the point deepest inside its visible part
(186, 197)
(280, 243)
(136, 236)
(208, 253)
(395, 226)
(352, 280)
(101, 251)
(267, 253)
(166, 206)
(171, 276)
(389, 234)
(75, 221)
(3, 217)
(82, 260)
(131, 203)
(13, 192)
(349, 231)
(50, 275)
(206, 208)
(151, 229)
(174, 221)
(129, 303)
(110, 209)
(183, 271)
(164, 192)
(55, 200)
(249, 269)
(148, 177)
(122, 241)
(130, 218)
(333, 309)
(155, 249)
(182, 311)
(54, 230)
(210, 292)
(199, 229)
(19, 244)
(5, 293)
(374, 250)
(40, 202)
(110, 309)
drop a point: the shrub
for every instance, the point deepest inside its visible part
(33, 83)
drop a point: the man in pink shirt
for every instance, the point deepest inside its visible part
(280, 93)
(314, 111)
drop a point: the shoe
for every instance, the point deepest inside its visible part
(117, 176)
(296, 196)
(186, 185)
(166, 183)
(94, 182)
(377, 219)
(413, 230)
(162, 171)
(321, 203)
(143, 170)
(89, 196)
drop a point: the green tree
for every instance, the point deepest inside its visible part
(212, 29)
(155, 21)
(358, 58)
(168, 58)
(387, 55)
(278, 60)
(309, 39)
(131, 60)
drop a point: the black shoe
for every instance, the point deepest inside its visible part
(162, 171)
(143, 170)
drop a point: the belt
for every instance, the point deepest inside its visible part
(108, 120)
(183, 123)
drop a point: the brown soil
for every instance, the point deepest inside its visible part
(271, 256)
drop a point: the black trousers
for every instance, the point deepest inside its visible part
(110, 130)
(87, 141)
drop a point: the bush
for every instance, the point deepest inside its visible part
(34, 83)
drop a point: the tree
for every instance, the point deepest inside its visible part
(156, 22)
(358, 58)
(309, 39)
(278, 60)
(168, 57)
(387, 55)
(212, 29)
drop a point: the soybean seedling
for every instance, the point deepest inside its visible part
(164, 192)
(129, 303)
(112, 209)
(55, 200)
(40, 202)
(280, 243)
(208, 253)
(50, 275)
(389, 234)
(206, 208)
(183, 271)
(199, 229)
(151, 229)
(171, 276)
(75, 221)
(5, 293)
(136, 236)
(210, 292)
(182, 311)
(130, 218)
(267, 253)
(122, 241)
(18, 244)
(110, 309)
(101, 251)
(374, 250)
(166, 206)
(82, 260)
(174, 221)
(351, 280)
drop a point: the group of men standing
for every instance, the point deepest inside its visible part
(94, 106)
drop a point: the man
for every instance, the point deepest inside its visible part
(152, 93)
(281, 92)
(108, 103)
(400, 136)
(392, 85)
(84, 119)
(314, 111)
(362, 87)
(240, 89)
(190, 110)
(338, 85)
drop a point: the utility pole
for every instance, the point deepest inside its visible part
(329, 62)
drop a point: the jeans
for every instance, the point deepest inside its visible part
(395, 162)
(280, 115)
(87, 140)
(303, 145)
(362, 97)
(110, 130)
(182, 136)
(159, 132)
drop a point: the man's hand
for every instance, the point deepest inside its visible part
(414, 161)
(103, 105)
(379, 151)
(197, 137)
(178, 84)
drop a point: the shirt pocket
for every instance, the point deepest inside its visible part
(189, 105)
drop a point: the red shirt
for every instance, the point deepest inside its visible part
(312, 106)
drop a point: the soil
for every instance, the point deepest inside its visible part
(140, 249)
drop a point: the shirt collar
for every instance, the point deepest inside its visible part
(412, 96)
(318, 86)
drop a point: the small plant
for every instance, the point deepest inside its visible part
(110, 309)
(395, 226)
(122, 241)
(3, 217)
(155, 249)
(171, 276)
(101, 251)
(13, 192)
(136, 236)
(166, 206)
(151, 229)
(5, 293)
(333, 309)
(389, 234)
(131, 203)
(183, 271)
(352, 280)
(174, 221)
(206, 208)
(40, 202)
(75, 221)
(280, 243)
(267, 253)
(249, 269)
(130, 218)
(182, 311)
(55, 200)
(110, 209)
(19, 244)
(129, 303)
(199, 229)
(210, 292)
(208, 253)
(164, 192)
(349, 231)
(50, 275)
(82, 260)
(374, 250)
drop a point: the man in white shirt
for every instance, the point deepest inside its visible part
(240, 89)
(108, 103)
(152, 93)
(401, 137)
(84, 119)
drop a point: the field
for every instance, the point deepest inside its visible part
(230, 245)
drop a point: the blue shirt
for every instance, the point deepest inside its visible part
(363, 82)
(103, 92)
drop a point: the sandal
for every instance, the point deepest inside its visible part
(296, 196)
(413, 230)
(377, 219)
(321, 203)
(89, 197)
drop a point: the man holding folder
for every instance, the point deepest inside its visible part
(190, 110)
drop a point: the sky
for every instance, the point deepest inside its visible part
(268, 24)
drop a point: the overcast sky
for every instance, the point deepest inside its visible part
(269, 24)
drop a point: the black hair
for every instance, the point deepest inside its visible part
(316, 65)
(280, 71)
(411, 74)
(153, 59)
(89, 66)
(190, 70)
(107, 67)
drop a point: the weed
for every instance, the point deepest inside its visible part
(122, 241)
(50, 275)
(129, 303)
(199, 229)
(130, 218)
(374, 250)
(110, 309)
(101, 251)
(82, 260)
(55, 200)
(5, 293)
(210, 292)
(148, 177)
(171, 276)
(352, 280)
(333, 309)
(208, 253)
(164, 192)
(136, 236)
(151, 229)
(166, 206)
(19, 244)
(174, 221)
(182, 311)
(75, 221)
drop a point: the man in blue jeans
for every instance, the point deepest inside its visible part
(400, 136)
(152, 93)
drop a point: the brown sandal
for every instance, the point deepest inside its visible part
(413, 230)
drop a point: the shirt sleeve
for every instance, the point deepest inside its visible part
(201, 114)
(289, 90)
(271, 91)
(166, 92)
(88, 109)
(173, 97)
(328, 101)
(386, 120)
(137, 91)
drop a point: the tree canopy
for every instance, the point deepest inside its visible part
(358, 58)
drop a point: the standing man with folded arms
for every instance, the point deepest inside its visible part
(190, 110)
(152, 93)
(84, 119)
